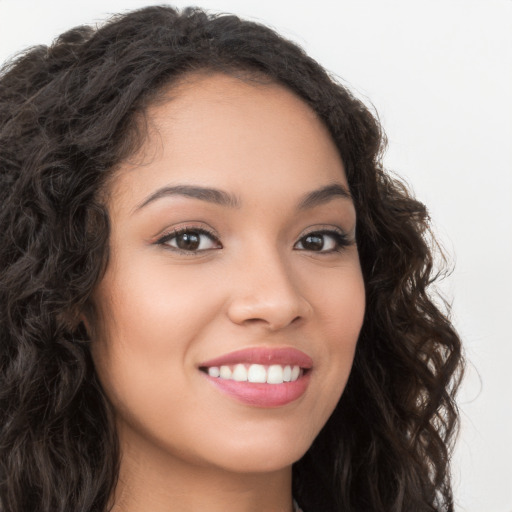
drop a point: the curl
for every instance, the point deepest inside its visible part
(69, 115)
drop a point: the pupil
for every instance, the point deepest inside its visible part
(188, 241)
(313, 242)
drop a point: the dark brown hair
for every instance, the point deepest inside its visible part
(69, 114)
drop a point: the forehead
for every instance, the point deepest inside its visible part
(229, 132)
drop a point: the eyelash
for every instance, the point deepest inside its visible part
(184, 231)
(341, 240)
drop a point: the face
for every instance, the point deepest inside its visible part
(233, 299)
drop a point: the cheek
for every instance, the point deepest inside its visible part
(150, 320)
(345, 312)
(340, 308)
(152, 309)
(339, 302)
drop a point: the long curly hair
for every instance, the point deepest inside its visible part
(69, 114)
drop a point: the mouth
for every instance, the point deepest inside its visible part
(256, 373)
(261, 377)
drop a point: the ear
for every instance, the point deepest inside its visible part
(82, 318)
(76, 322)
(85, 325)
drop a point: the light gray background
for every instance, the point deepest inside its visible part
(439, 73)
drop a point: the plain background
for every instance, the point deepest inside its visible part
(439, 73)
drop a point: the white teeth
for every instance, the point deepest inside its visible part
(239, 373)
(275, 374)
(256, 373)
(214, 371)
(225, 372)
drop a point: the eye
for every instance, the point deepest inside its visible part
(190, 240)
(323, 241)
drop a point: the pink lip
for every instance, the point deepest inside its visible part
(262, 355)
(262, 395)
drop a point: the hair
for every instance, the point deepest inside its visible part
(70, 113)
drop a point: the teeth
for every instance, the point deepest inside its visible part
(225, 372)
(256, 373)
(275, 374)
(214, 371)
(239, 373)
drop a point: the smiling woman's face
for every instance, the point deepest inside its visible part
(233, 253)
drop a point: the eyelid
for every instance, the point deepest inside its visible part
(341, 237)
(175, 231)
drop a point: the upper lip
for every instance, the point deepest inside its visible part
(262, 355)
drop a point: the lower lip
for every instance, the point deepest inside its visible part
(262, 395)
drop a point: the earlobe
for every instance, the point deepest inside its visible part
(83, 326)
(82, 319)
(76, 324)
(87, 322)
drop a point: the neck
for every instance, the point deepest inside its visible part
(151, 480)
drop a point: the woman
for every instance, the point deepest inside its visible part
(212, 295)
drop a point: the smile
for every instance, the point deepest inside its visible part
(261, 377)
(257, 373)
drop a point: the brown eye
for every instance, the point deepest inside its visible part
(190, 240)
(313, 242)
(323, 241)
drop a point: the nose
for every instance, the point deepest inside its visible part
(266, 293)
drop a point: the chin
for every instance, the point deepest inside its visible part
(261, 462)
(271, 454)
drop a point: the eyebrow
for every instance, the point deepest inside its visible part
(324, 195)
(212, 195)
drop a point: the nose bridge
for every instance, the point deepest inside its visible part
(267, 291)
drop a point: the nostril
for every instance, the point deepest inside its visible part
(274, 307)
(273, 323)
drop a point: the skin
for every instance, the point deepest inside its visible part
(185, 445)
